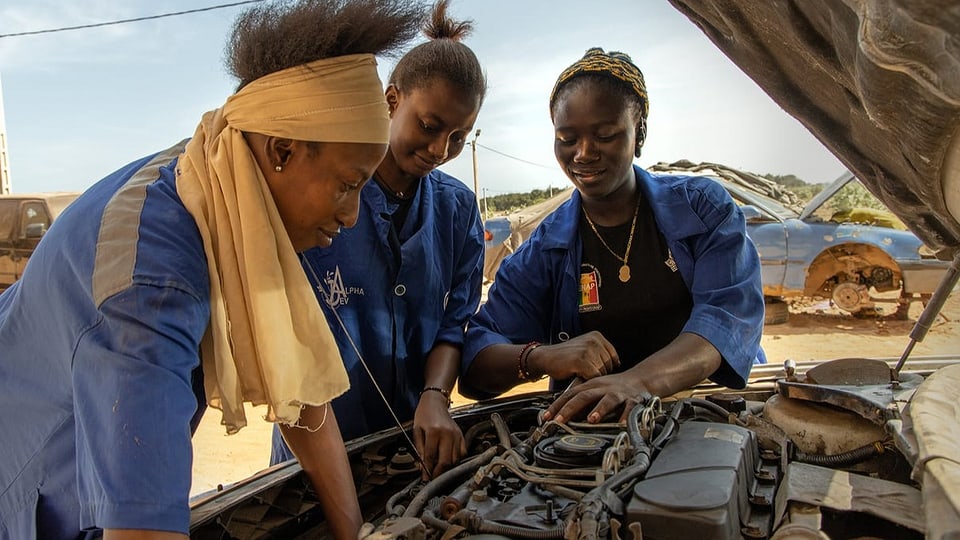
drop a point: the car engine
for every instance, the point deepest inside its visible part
(681, 473)
(820, 455)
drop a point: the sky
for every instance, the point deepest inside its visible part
(80, 104)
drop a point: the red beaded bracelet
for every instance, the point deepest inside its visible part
(523, 373)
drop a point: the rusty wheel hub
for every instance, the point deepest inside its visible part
(850, 296)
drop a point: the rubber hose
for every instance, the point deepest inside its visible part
(391, 508)
(452, 476)
(844, 459)
(503, 432)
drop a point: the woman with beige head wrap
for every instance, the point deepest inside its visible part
(190, 254)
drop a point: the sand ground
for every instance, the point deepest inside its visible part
(811, 334)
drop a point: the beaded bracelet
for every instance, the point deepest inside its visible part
(444, 393)
(523, 372)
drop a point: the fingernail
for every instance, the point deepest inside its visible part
(594, 418)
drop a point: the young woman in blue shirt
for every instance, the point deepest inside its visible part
(399, 287)
(639, 285)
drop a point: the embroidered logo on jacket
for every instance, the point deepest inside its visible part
(337, 294)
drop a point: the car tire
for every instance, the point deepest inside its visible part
(776, 311)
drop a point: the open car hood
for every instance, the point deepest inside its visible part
(878, 83)
(817, 201)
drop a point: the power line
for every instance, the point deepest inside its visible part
(516, 158)
(123, 21)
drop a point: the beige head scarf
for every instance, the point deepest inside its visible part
(268, 341)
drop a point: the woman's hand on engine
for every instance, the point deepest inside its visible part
(605, 394)
(437, 437)
(586, 356)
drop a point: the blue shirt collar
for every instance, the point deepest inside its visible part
(666, 195)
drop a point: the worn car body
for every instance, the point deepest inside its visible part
(859, 259)
(24, 218)
(843, 259)
(851, 448)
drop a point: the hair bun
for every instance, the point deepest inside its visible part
(441, 26)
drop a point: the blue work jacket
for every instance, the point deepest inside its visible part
(99, 363)
(535, 294)
(390, 296)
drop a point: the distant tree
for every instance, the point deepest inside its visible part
(508, 202)
(804, 191)
(788, 181)
(854, 195)
(807, 192)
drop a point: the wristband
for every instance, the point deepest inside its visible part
(444, 393)
(523, 371)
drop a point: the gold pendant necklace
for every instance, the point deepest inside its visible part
(624, 273)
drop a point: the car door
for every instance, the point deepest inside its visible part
(9, 219)
(34, 222)
(770, 237)
(766, 228)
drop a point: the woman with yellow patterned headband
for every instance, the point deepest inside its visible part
(176, 282)
(639, 285)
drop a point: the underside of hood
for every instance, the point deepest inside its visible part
(876, 81)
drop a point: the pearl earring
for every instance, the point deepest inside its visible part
(278, 168)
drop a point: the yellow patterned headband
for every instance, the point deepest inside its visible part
(615, 64)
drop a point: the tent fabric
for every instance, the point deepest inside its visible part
(522, 224)
(935, 414)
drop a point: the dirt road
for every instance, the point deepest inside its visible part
(221, 459)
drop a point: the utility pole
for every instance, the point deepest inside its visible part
(4, 161)
(476, 183)
(484, 204)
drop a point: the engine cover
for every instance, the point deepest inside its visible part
(699, 485)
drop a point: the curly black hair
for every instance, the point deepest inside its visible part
(282, 34)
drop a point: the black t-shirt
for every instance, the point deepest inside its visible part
(398, 218)
(645, 313)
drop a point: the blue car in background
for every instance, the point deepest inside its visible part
(858, 258)
(863, 260)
